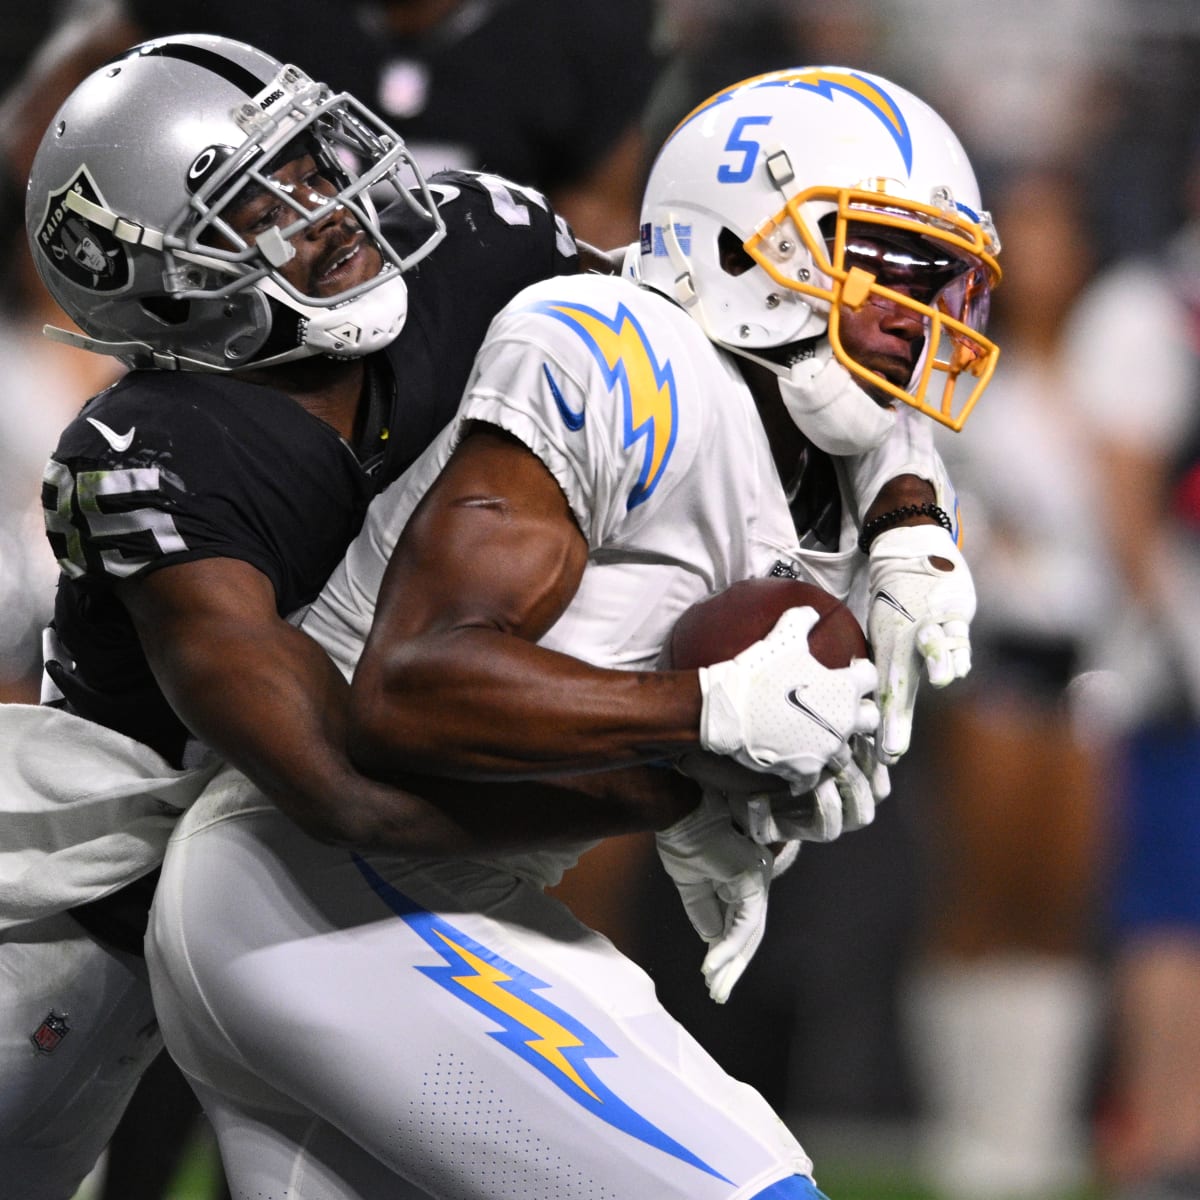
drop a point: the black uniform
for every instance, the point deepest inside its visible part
(169, 467)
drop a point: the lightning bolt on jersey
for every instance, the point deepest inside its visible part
(166, 468)
(656, 442)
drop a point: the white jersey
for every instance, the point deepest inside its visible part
(657, 445)
(652, 436)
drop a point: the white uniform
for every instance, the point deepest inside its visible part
(344, 1018)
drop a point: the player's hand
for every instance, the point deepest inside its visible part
(922, 600)
(775, 708)
(843, 801)
(829, 408)
(722, 877)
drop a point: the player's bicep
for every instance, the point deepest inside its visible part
(492, 545)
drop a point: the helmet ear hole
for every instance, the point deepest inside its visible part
(167, 309)
(732, 253)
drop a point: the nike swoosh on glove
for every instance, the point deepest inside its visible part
(722, 878)
(829, 407)
(775, 708)
(922, 601)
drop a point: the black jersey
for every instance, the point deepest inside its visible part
(166, 467)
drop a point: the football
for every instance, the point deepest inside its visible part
(723, 625)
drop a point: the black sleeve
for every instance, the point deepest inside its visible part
(164, 469)
(113, 513)
(167, 468)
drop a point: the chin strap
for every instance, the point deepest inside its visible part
(830, 409)
(137, 354)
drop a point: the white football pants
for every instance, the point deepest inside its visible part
(77, 1032)
(368, 1029)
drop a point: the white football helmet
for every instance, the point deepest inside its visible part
(128, 189)
(843, 189)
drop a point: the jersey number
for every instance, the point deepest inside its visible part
(85, 492)
(507, 198)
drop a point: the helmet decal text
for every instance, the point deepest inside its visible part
(87, 254)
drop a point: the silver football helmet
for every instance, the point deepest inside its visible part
(842, 189)
(130, 188)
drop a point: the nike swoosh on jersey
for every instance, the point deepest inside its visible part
(793, 698)
(118, 441)
(571, 419)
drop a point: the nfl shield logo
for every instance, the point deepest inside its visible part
(50, 1032)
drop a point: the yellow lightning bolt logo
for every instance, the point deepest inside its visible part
(551, 1040)
(619, 344)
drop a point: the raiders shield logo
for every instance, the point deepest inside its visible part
(85, 253)
(50, 1032)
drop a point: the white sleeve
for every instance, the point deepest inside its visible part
(908, 450)
(543, 382)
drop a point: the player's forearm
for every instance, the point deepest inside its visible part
(286, 736)
(272, 706)
(268, 700)
(905, 491)
(478, 703)
(528, 814)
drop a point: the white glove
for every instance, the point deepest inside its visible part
(722, 879)
(775, 708)
(829, 408)
(749, 795)
(843, 801)
(922, 599)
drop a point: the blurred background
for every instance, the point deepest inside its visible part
(994, 991)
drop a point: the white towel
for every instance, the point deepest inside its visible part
(83, 810)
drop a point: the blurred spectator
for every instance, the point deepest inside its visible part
(548, 93)
(1004, 1002)
(1135, 350)
(1027, 78)
(44, 384)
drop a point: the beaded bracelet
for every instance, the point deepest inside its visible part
(877, 525)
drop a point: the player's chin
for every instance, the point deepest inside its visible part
(896, 372)
(880, 395)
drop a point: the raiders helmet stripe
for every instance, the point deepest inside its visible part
(200, 56)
